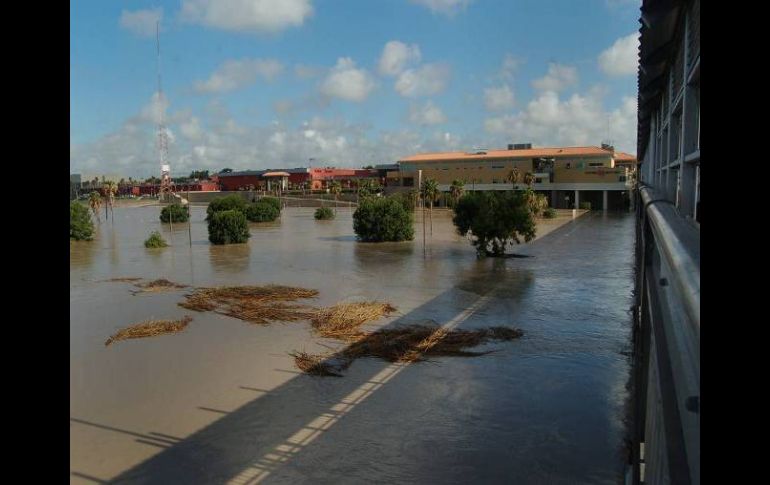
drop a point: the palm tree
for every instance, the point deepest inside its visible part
(529, 179)
(457, 189)
(110, 188)
(513, 176)
(430, 192)
(95, 201)
(336, 189)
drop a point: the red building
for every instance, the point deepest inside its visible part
(311, 178)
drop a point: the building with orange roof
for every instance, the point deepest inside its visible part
(568, 175)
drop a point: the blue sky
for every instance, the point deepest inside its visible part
(272, 83)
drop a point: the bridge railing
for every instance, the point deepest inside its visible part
(666, 429)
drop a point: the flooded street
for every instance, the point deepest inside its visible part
(222, 402)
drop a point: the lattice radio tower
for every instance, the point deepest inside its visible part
(167, 188)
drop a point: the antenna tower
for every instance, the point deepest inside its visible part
(166, 185)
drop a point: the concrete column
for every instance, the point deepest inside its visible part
(577, 199)
(604, 200)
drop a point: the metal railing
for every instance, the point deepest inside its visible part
(666, 370)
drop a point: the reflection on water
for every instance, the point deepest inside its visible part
(229, 259)
(544, 409)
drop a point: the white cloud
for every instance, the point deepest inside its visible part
(559, 77)
(235, 74)
(578, 120)
(155, 110)
(141, 22)
(192, 129)
(446, 7)
(622, 58)
(396, 56)
(509, 67)
(303, 71)
(348, 83)
(498, 98)
(427, 80)
(426, 114)
(255, 16)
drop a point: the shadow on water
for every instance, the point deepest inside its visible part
(256, 440)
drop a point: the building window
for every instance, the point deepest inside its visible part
(596, 164)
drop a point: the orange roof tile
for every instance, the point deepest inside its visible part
(532, 152)
(624, 157)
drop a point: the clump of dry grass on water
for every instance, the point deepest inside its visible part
(150, 328)
(158, 285)
(408, 344)
(343, 321)
(255, 304)
(314, 364)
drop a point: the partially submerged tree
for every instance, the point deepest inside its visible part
(155, 241)
(324, 213)
(228, 227)
(110, 189)
(495, 220)
(430, 192)
(382, 219)
(336, 189)
(95, 202)
(81, 226)
(176, 212)
(228, 202)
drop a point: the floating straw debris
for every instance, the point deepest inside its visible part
(314, 364)
(150, 328)
(158, 285)
(410, 344)
(342, 321)
(255, 304)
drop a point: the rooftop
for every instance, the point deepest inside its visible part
(525, 153)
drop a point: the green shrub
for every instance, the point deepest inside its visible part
(407, 199)
(176, 212)
(155, 241)
(262, 211)
(271, 201)
(226, 203)
(324, 213)
(585, 205)
(549, 213)
(228, 227)
(382, 219)
(494, 219)
(81, 226)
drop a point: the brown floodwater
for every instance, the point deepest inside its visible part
(222, 402)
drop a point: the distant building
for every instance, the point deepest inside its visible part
(296, 178)
(568, 175)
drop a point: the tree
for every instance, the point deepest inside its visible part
(494, 219)
(228, 227)
(229, 202)
(323, 213)
(175, 212)
(110, 188)
(81, 226)
(430, 192)
(226, 170)
(95, 201)
(262, 211)
(457, 189)
(529, 179)
(382, 219)
(335, 189)
(513, 176)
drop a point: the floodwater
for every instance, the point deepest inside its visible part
(222, 402)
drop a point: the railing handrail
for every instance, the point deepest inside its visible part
(679, 242)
